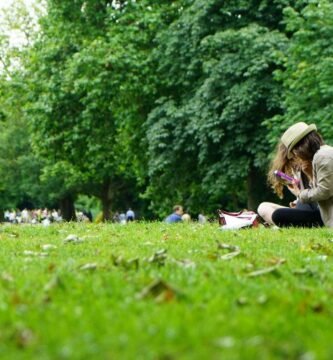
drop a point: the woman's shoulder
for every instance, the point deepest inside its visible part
(325, 152)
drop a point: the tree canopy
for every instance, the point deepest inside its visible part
(151, 103)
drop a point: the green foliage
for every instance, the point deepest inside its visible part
(308, 76)
(216, 90)
(21, 170)
(87, 101)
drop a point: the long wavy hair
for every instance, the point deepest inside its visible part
(308, 146)
(282, 163)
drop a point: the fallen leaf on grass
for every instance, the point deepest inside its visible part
(133, 263)
(55, 282)
(73, 239)
(229, 256)
(316, 246)
(126, 264)
(272, 269)
(233, 251)
(276, 261)
(229, 247)
(264, 271)
(159, 257)
(159, 290)
(88, 267)
(47, 247)
(304, 271)
(324, 249)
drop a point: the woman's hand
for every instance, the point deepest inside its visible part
(294, 189)
(293, 204)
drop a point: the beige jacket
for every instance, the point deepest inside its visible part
(322, 191)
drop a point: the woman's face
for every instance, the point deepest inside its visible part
(305, 165)
(297, 156)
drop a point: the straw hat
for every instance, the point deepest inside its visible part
(295, 134)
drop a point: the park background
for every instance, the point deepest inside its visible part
(147, 103)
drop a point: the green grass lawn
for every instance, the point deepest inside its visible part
(157, 291)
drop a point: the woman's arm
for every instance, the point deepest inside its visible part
(324, 186)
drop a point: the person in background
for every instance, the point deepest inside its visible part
(7, 216)
(88, 215)
(130, 216)
(115, 217)
(202, 219)
(122, 218)
(186, 217)
(25, 216)
(176, 216)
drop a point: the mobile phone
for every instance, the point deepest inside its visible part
(286, 178)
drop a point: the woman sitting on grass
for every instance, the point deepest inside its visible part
(293, 169)
(302, 147)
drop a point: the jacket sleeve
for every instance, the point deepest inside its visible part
(324, 188)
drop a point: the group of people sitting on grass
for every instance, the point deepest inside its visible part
(124, 218)
(42, 216)
(34, 216)
(303, 157)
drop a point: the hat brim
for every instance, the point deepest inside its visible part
(299, 137)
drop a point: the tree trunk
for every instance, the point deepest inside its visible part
(2, 216)
(67, 208)
(106, 200)
(257, 190)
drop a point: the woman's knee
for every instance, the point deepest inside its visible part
(266, 209)
(263, 208)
